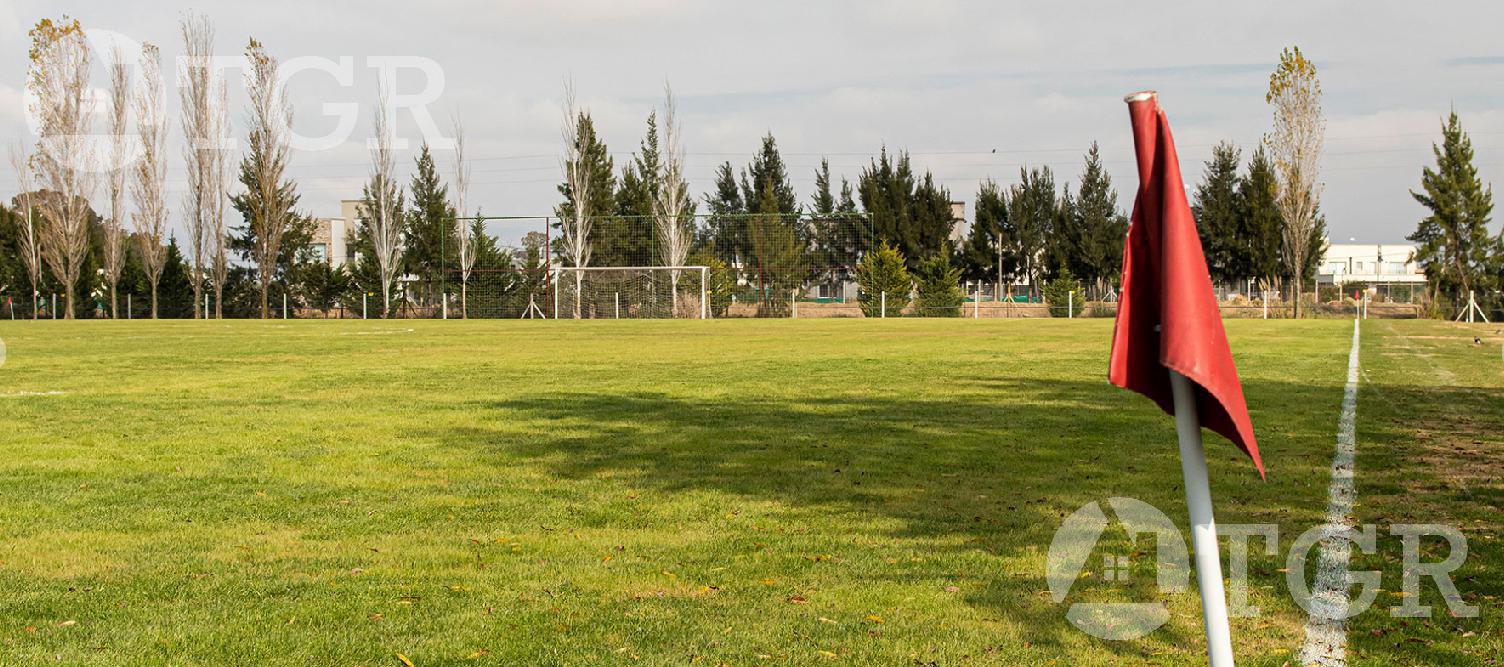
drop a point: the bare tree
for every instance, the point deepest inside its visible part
(202, 98)
(150, 220)
(219, 182)
(65, 163)
(576, 229)
(270, 125)
(461, 230)
(26, 241)
(674, 228)
(383, 203)
(114, 226)
(1295, 146)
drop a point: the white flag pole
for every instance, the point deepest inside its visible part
(1198, 498)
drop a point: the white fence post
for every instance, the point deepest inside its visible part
(976, 306)
(284, 307)
(794, 304)
(704, 292)
(1266, 304)
(616, 303)
(128, 314)
(558, 274)
(54, 305)
(883, 307)
(1070, 305)
(364, 297)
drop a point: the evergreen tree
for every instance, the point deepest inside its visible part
(1096, 228)
(938, 289)
(847, 203)
(824, 202)
(884, 281)
(982, 258)
(767, 178)
(1063, 294)
(779, 261)
(724, 232)
(175, 290)
(1219, 216)
(430, 230)
(1260, 222)
(911, 213)
(628, 238)
(1453, 243)
(1033, 211)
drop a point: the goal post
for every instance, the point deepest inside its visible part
(631, 292)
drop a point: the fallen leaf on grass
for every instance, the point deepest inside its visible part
(65, 624)
(875, 618)
(477, 654)
(798, 599)
(404, 660)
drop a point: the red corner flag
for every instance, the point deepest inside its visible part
(1167, 315)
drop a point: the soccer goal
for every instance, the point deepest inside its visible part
(637, 292)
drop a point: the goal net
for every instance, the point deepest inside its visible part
(636, 292)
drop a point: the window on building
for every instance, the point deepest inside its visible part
(319, 251)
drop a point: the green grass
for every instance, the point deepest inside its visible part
(651, 493)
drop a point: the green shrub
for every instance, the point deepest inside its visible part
(939, 286)
(882, 272)
(1057, 294)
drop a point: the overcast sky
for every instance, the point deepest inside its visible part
(949, 81)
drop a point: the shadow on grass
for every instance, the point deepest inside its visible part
(998, 465)
(998, 476)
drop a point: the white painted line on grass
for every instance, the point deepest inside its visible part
(1326, 631)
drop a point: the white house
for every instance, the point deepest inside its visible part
(1370, 264)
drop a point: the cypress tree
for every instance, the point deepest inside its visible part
(1033, 211)
(1260, 222)
(912, 214)
(1453, 244)
(1097, 228)
(1219, 215)
(983, 254)
(723, 232)
(430, 242)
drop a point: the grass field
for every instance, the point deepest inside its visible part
(851, 492)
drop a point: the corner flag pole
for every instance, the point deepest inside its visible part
(1198, 498)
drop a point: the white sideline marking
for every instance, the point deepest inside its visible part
(26, 394)
(1326, 632)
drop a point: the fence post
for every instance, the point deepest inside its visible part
(364, 296)
(976, 306)
(616, 299)
(284, 307)
(444, 304)
(883, 307)
(128, 314)
(54, 305)
(1266, 304)
(558, 275)
(704, 292)
(794, 304)
(1070, 305)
